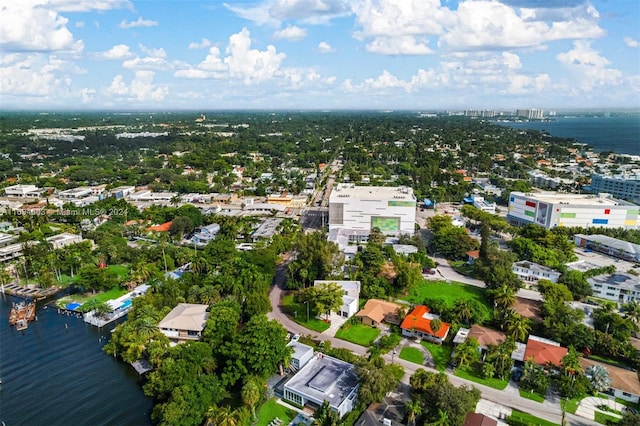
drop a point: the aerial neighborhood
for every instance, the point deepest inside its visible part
(365, 269)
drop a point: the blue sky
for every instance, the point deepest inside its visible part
(319, 54)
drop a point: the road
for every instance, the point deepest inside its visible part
(545, 411)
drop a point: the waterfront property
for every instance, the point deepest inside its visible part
(324, 378)
(418, 325)
(118, 308)
(185, 322)
(551, 209)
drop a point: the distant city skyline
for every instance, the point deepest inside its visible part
(430, 55)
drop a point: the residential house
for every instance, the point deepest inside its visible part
(185, 322)
(544, 351)
(205, 234)
(418, 324)
(531, 273)
(624, 383)
(472, 256)
(351, 295)
(324, 378)
(488, 337)
(477, 419)
(375, 312)
(302, 354)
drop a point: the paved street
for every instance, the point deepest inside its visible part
(510, 400)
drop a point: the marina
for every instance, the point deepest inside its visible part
(30, 291)
(21, 313)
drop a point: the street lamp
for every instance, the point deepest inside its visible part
(307, 303)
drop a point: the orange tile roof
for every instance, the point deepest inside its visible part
(417, 320)
(160, 228)
(377, 310)
(544, 353)
(486, 336)
(474, 254)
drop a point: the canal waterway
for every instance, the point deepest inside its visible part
(55, 373)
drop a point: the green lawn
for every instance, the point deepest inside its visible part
(441, 354)
(571, 406)
(412, 355)
(525, 419)
(298, 313)
(359, 334)
(462, 267)
(449, 293)
(531, 395)
(605, 419)
(470, 374)
(120, 270)
(82, 298)
(270, 410)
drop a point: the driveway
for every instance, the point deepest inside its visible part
(589, 406)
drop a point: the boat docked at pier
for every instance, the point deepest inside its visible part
(21, 314)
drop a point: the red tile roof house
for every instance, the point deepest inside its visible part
(418, 324)
(544, 351)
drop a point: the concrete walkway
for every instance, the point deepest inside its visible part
(589, 406)
(336, 322)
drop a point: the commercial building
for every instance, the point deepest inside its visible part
(609, 246)
(324, 378)
(122, 192)
(362, 208)
(23, 191)
(13, 251)
(626, 187)
(619, 287)
(551, 209)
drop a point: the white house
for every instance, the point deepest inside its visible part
(206, 234)
(23, 191)
(619, 287)
(350, 298)
(531, 273)
(185, 322)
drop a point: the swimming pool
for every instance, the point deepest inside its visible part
(126, 304)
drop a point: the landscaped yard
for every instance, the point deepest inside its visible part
(571, 405)
(449, 293)
(605, 419)
(462, 267)
(298, 313)
(359, 334)
(270, 410)
(521, 418)
(470, 374)
(441, 354)
(531, 395)
(412, 355)
(82, 298)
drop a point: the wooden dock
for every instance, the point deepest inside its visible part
(30, 291)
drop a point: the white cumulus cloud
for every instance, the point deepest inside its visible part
(204, 43)
(138, 23)
(630, 42)
(140, 89)
(325, 47)
(117, 52)
(292, 33)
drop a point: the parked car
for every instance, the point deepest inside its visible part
(516, 375)
(429, 271)
(295, 337)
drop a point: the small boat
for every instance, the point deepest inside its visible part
(21, 314)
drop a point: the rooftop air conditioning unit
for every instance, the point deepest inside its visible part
(386, 422)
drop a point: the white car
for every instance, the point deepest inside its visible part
(295, 337)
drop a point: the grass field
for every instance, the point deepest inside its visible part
(270, 410)
(449, 293)
(359, 334)
(470, 374)
(532, 396)
(521, 418)
(412, 355)
(605, 419)
(298, 313)
(441, 354)
(571, 406)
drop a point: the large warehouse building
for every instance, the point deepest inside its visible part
(551, 209)
(362, 208)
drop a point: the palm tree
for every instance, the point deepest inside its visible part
(518, 327)
(599, 377)
(467, 352)
(571, 362)
(504, 296)
(221, 416)
(632, 311)
(436, 325)
(463, 311)
(443, 418)
(251, 395)
(415, 409)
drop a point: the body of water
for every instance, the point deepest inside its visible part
(619, 132)
(55, 373)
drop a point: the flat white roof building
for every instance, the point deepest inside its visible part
(23, 191)
(362, 208)
(551, 209)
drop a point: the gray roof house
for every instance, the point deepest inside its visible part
(185, 322)
(324, 378)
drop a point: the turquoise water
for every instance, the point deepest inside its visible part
(617, 132)
(125, 304)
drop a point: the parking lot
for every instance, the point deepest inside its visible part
(601, 260)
